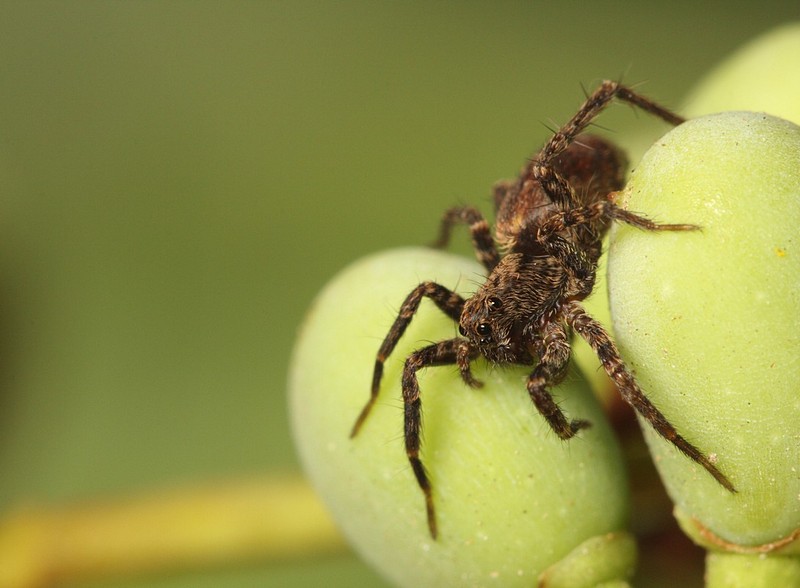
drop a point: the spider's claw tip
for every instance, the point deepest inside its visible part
(726, 483)
(579, 424)
(356, 427)
(434, 531)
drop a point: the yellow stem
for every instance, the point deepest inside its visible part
(261, 519)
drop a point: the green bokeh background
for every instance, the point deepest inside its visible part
(177, 180)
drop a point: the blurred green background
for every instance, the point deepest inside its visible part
(178, 179)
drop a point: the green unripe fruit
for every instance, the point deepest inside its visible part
(763, 75)
(513, 501)
(710, 321)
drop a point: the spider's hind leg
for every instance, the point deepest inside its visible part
(480, 232)
(595, 103)
(542, 167)
(604, 209)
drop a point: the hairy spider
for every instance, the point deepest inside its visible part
(549, 224)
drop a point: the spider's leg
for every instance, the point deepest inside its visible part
(604, 209)
(595, 103)
(550, 370)
(465, 353)
(482, 242)
(442, 353)
(541, 169)
(502, 190)
(580, 265)
(448, 302)
(594, 334)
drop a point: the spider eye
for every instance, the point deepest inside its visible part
(462, 330)
(495, 303)
(484, 329)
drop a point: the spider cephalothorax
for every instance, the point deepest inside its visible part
(549, 223)
(521, 293)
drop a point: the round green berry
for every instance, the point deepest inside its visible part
(710, 320)
(512, 499)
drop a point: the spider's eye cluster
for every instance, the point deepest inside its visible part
(484, 330)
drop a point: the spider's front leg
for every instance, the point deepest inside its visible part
(548, 372)
(448, 302)
(594, 334)
(480, 232)
(458, 351)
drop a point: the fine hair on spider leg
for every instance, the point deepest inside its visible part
(549, 225)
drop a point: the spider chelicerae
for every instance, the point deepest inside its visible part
(549, 225)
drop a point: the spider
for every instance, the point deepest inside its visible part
(549, 224)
